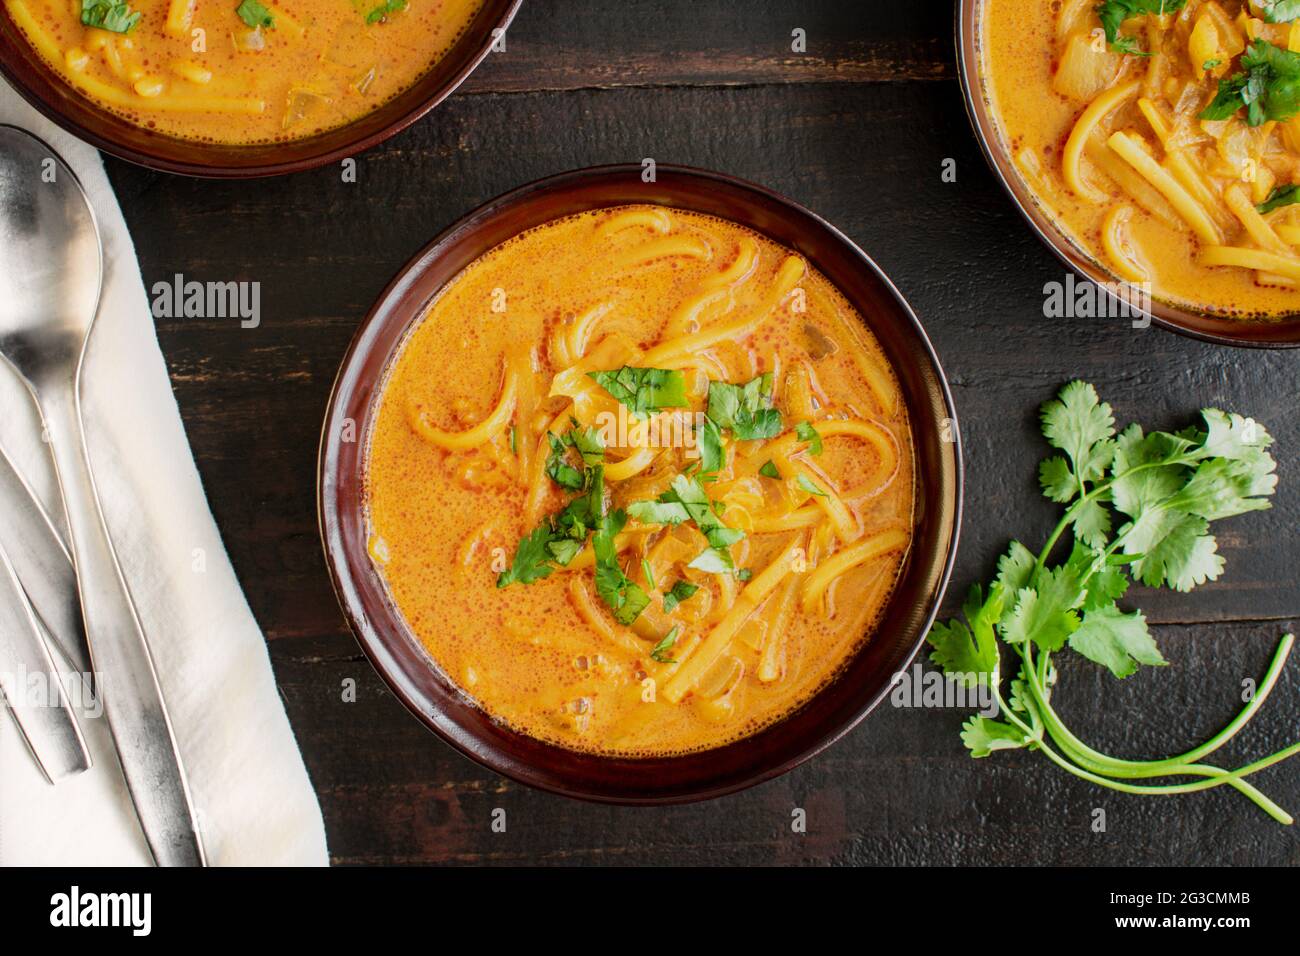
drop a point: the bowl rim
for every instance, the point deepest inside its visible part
(52, 110)
(1242, 333)
(950, 517)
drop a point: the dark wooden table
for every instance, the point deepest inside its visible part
(857, 128)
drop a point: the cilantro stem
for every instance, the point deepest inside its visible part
(1099, 489)
(1263, 802)
(1091, 760)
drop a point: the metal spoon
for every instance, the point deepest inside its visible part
(51, 263)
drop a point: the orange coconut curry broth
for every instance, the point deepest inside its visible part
(1141, 138)
(242, 71)
(640, 482)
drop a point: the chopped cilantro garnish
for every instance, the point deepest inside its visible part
(678, 593)
(1113, 13)
(1281, 11)
(382, 11)
(1269, 88)
(660, 651)
(625, 597)
(769, 470)
(112, 15)
(709, 438)
(255, 15)
(804, 431)
(589, 445)
(644, 390)
(745, 409)
(807, 485)
(1280, 196)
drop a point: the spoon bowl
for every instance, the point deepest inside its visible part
(49, 303)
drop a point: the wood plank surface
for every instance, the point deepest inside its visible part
(857, 130)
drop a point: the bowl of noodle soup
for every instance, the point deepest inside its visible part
(640, 492)
(1125, 145)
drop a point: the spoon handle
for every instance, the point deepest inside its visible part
(42, 563)
(32, 685)
(128, 682)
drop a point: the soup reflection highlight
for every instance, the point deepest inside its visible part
(640, 481)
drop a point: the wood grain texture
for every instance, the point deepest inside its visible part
(702, 84)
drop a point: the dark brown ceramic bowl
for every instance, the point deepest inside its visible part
(1274, 333)
(47, 92)
(409, 670)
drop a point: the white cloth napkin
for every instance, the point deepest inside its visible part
(254, 801)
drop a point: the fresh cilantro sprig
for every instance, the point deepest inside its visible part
(112, 15)
(1269, 87)
(661, 650)
(1113, 13)
(1162, 490)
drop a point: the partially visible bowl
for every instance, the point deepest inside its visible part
(1275, 333)
(42, 87)
(407, 667)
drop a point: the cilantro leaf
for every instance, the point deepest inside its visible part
(1079, 424)
(745, 409)
(690, 494)
(1044, 613)
(1147, 469)
(769, 470)
(710, 441)
(660, 651)
(644, 390)
(713, 561)
(1232, 436)
(658, 512)
(1221, 488)
(255, 15)
(1174, 549)
(112, 15)
(626, 598)
(678, 593)
(1116, 640)
(1281, 11)
(968, 651)
(1056, 479)
(1227, 98)
(563, 550)
(381, 12)
(804, 431)
(1279, 197)
(1269, 88)
(1015, 568)
(982, 736)
(590, 447)
(1113, 13)
(1092, 523)
(532, 559)
(807, 485)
